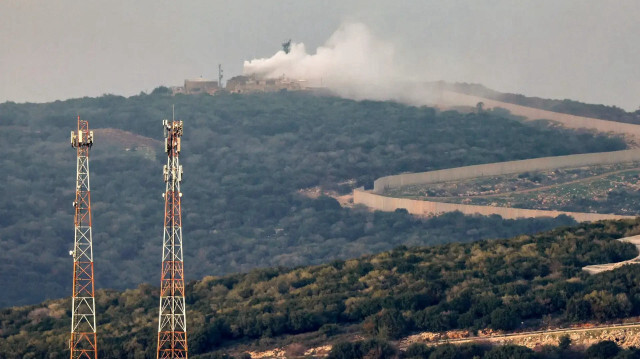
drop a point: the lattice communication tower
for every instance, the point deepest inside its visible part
(172, 319)
(83, 316)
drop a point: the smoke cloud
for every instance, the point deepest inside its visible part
(352, 63)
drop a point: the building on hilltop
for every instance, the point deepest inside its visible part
(197, 86)
(251, 83)
(200, 85)
(239, 84)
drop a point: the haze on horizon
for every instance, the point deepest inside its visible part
(585, 51)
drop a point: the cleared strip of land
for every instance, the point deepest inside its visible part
(626, 335)
(539, 189)
(630, 131)
(375, 200)
(431, 208)
(506, 168)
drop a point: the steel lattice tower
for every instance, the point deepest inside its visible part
(172, 319)
(83, 317)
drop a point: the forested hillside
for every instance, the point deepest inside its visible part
(611, 113)
(245, 157)
(523, 282)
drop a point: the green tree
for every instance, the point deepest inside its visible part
(602, 350)
(510, 351)
(565, 342)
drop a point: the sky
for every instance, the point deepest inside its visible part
(582, 50)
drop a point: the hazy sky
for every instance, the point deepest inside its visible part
(583, 50)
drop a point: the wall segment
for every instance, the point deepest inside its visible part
(374, 199)
(629, 130)
(432, 208)
(505, 168)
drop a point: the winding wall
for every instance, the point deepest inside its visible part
(432, 208)
(374, 199)
(448, 98)
(505, 168)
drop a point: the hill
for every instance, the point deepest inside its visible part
(611, 113)
(523, 282)
(245, 159)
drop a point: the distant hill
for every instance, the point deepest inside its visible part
(611, 113)
(245, 157)
(523, 282)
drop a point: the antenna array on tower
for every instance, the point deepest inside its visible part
(83, 316)
(172, 318)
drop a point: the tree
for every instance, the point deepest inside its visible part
(504, 319)
(161, 90)
(418, 351)
(603, 350)
(564, 343)
(510, 351)
(578, 309)
(388, 324)
(344, 350)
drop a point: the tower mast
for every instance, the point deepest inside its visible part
(172, 319)
(83, 315)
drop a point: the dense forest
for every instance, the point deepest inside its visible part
(245, 157)
(611, 113)
(526, 282)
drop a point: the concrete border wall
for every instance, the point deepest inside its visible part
(375, 200)
(429, 208)
(449, 98)
(504, 168)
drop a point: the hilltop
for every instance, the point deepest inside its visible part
(246, 157)
(519, 283)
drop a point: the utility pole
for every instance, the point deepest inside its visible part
(83, 315)
(172, 318)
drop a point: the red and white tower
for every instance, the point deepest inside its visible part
(172, 319)
(83, 315)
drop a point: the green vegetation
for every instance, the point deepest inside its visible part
(508, 184)
(524, 282)
(245, 157)
(599, 189)
(617, 193)
(381, 349)
(611, 113)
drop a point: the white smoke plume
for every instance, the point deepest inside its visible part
(352, 63)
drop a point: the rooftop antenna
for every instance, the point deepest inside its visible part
(173, 111)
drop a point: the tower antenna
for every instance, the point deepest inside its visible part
(83, 315)
(172, 317)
